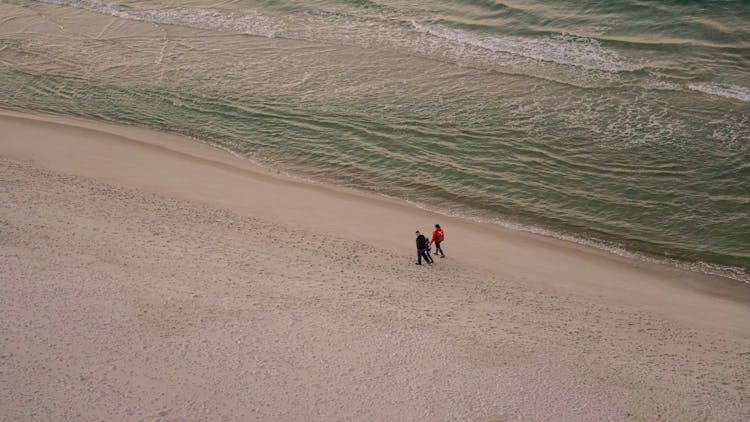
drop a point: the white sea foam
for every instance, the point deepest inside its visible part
(568, 50)
(661, 85)
(246, 23)
(727, 91)
(580, 52)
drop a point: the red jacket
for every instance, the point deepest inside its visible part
(437, 235)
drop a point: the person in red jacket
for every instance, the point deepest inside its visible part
(437, 237)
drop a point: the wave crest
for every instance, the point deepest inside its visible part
(567, 50)
(587, 53)
(252, 24)
(727, 91)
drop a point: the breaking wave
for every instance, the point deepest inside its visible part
(727, 91)
(567, 50)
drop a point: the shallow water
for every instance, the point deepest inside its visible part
(624, 125)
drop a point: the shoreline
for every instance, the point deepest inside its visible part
(224, 156)
(610, 246)
(152, 272)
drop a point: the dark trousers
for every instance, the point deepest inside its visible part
(422, 253)
(438, 249)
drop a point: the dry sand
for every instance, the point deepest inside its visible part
(148, 277)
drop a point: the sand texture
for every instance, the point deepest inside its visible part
(148, 277)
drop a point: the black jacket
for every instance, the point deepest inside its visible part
(421, 242)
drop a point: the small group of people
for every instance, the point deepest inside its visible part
(424, 245)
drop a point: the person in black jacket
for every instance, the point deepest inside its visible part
(422, 244)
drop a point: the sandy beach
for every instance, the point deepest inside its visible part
(145, 276)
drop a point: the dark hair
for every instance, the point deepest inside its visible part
(437, 225)
(416, 231)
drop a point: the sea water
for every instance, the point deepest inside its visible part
(623, 125)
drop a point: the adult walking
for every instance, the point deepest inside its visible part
(437, 237)
(422, 244)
